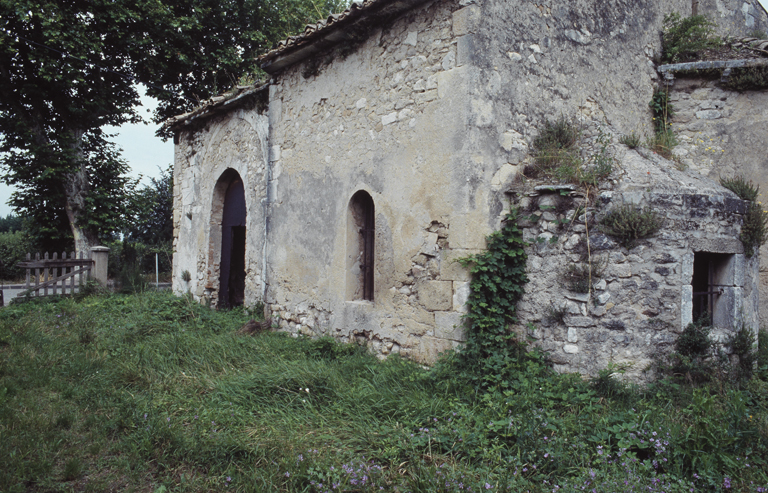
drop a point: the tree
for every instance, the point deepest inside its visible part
(152, 212)
(69, 68)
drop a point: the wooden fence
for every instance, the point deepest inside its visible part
(55, 273)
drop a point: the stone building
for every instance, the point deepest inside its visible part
(389, 142)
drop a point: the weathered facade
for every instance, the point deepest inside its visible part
(387, 145)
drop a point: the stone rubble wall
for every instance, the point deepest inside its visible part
(387, 116)
(724, 133)
(636, 305)
(237, 141)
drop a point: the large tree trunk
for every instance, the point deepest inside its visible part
(75, 190)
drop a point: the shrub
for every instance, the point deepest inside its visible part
(694, 341)
(742, 345)
(628, 224)
(684, 37)
(662, 110)
(745, 189)
(754, 229)
(748, 79)
(663, 139)
(692, 350)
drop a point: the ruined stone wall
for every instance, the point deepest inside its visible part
(724, 133)
(639, 299)
(236, 141)
(389, 117)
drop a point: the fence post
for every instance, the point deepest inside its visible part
(100, 257)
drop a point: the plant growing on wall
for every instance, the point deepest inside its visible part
(684, 37)
(555, 148)
(557, 154)
(754, 228)
(498, 277)
(663, 140)
(627, 224)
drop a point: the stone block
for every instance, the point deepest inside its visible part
(450, 325)
(427, 349)
(390, 118)
(451, 269)
(573, 335)
(581, 322)
(603, 298)
(465, 50)
(436, 295)
(461, 292)
(619, 270)
(570, 349)
(466, 20)
(686, 305)
(708, 114)
(582, 297)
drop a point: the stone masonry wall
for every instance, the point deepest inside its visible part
(723, 133)
(639, 299)
(236, 141)
(387, 116)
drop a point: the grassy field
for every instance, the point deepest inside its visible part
(155, 393)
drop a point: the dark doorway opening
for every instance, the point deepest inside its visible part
(713, 278)
(233, 234)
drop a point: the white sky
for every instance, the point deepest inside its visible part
(142, 150)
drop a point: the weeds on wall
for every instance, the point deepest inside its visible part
(631, 140)
(663, 140)
(754, 228)
(627, 224)
(748, 79)
(555, 148)
(745, 189)
(580, 277)
(557, 155)
(684, 37)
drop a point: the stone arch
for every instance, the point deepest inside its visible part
(228, 240)
(361, 238)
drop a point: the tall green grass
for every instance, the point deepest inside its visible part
(151, 392)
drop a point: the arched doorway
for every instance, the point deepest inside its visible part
(229, 206)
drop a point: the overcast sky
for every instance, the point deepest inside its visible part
(144, 152)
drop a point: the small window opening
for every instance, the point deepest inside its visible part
(360, 247)
(712, 283)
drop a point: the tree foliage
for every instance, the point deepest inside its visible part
(67, 69)
(152, 211)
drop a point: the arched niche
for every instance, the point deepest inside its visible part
(361, 236)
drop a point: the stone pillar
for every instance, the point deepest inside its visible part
(100, 257)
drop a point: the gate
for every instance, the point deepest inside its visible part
(55, 273)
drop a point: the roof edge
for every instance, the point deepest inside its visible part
(216, 104)
(337, 28)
